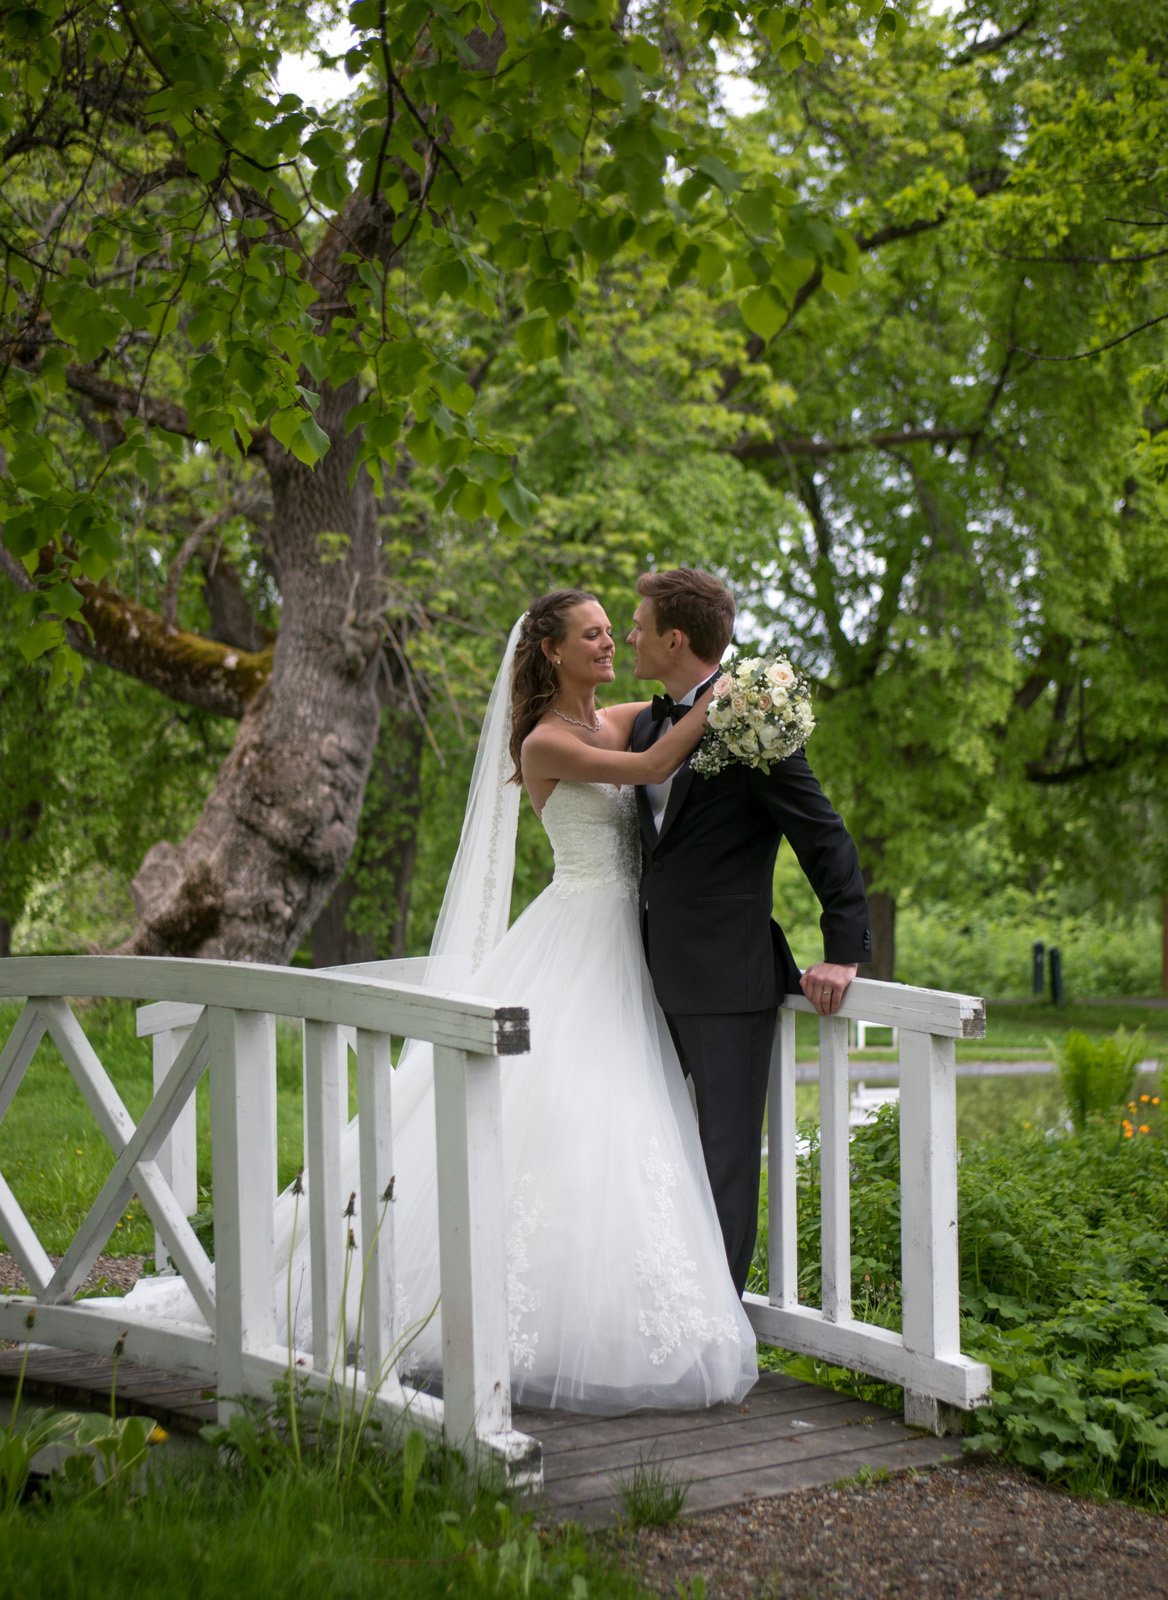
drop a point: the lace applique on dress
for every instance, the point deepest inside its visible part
(671, 1275)
(593, 832)
(526, 1216)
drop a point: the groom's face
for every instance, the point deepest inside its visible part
(654, 652)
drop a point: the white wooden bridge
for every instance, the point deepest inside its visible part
(219, 1018)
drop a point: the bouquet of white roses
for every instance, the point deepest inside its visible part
(761, 712)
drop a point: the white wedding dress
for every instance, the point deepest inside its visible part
(618, 1292)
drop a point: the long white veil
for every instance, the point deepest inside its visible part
(477, 901)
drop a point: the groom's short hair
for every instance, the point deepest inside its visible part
(695, 603)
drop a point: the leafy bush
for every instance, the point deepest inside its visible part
(1064, 1288)
(988, 950)
(1097, 1074)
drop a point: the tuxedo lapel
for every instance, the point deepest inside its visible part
(683, 782)
(678, 790)
(643, 738)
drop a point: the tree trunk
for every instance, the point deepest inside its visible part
(281, 821)
(882, 911)
(366, 918)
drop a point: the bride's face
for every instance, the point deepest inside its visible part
(586, 650)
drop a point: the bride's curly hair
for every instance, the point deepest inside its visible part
(533, 681)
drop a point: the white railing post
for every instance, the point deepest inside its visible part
(242, 1063)
(178, 1153)
(476, 1376)
(834, 1200)
(326, 1115)
(374, 1103)
(782, 1229)
(928, 1214)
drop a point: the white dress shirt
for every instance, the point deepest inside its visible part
(658, 793)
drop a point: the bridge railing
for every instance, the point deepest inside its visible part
(925, 1357)
(219, 1017)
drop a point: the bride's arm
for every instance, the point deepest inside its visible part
(550, 753)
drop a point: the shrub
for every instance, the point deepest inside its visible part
(1064, 1289)
(1097, 1075)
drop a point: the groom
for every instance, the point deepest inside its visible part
(720, 964)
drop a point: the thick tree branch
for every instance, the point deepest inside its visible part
(136, 641)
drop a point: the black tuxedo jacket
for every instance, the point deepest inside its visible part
(707, 883)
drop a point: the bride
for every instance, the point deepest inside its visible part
(619, 1296)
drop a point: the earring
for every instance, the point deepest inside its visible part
(556, 662)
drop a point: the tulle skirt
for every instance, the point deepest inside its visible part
(618, 1291)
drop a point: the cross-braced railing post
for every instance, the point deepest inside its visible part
(178, 1153)
(242, 1047)
(472, 1244)
(928, 1215)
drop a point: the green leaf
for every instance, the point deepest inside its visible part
(726, 180)
(36, 640)
(204, 159)
(764, 312)
(536, 337)
(470, 501)
(519, 503)
(314, 436)
(422, 441)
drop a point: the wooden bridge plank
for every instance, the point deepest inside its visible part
(731, 1449)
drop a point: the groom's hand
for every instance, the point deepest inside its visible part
(825, 984)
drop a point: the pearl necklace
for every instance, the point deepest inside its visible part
(576, 723)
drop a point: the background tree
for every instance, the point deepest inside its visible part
(172, 228)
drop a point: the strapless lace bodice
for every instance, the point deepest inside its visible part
(593, 833)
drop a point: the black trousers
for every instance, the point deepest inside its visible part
(728, 1058)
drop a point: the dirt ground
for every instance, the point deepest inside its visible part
(121, 1273)
(964, 1532)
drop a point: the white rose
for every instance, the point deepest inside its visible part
(719, 717)
(738, 704)
(780, 674)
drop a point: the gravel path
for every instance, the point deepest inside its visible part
(957, 1533)
(120, 1274)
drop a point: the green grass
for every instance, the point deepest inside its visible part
(214, 1524)
(55, 1157)
(1020, 1032)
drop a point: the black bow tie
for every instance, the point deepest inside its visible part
(664, 706)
